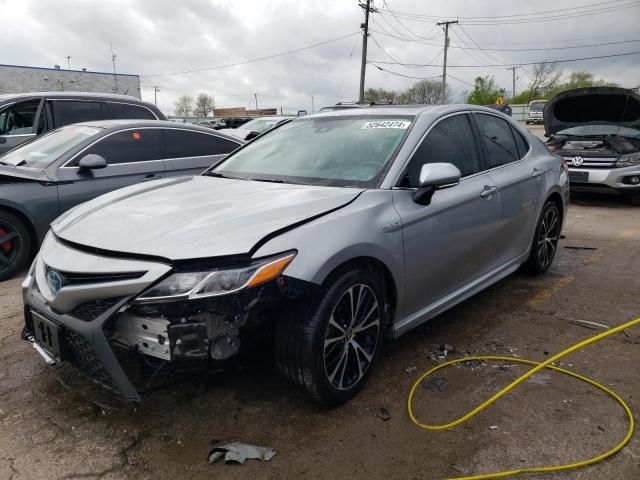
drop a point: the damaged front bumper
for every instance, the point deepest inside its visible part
(122, 344)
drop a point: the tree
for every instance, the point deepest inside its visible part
(546, 78)
(204, 105)
(485, 91)
(183, 106)
(424, 92)
(574, 80)
(380, 95)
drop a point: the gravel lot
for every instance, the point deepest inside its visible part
(56, 425)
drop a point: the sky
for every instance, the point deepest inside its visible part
(159, 39)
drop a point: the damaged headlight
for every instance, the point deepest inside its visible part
(628, 160)
(212, 283)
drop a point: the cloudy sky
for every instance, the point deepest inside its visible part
(158, 39)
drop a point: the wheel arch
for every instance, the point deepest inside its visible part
(375, 265)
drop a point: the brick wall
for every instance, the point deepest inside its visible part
(14, 79)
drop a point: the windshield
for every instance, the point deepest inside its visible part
(536, 107)
(600, 130)
(330, 151)
(42, 151)
(259, 124)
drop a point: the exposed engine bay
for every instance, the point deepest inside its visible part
(609, 145)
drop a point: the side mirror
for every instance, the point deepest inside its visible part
(434, 176)
(92, 162)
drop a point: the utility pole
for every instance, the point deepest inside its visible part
(365, 34)
(69, 61)
(313, 108)
(255, 95)
(156, 89)
(445, 26)
(513, 69)
(115, 75)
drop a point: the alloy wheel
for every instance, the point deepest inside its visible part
(548, 236)
(10, 242)
(351, 337)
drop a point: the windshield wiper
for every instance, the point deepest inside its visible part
(270, 180)
(221, 175)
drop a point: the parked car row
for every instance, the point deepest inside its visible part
(52, 173)
(328, 231)
(24, 116)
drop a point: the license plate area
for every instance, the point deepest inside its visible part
(47, 335)
(578, 177)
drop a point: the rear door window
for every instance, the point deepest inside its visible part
(185, 143)
(18, 119)
(130, 146)
(128, 111)
(451, 140)
(66, 112)
(497, 138)
(521, 143)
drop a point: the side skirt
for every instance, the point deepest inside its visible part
(445, 303)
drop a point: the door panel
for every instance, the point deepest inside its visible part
(78, 187)
(448, 243)
(518, 182)
(133, 156)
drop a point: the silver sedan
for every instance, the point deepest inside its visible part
(329, 232)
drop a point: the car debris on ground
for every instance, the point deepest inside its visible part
(237, 452)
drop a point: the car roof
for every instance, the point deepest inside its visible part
(406, 110)
(111, 96)
(274, 117)
(114, 125)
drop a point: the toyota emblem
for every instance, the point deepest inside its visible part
(55, 281)
(577, 161)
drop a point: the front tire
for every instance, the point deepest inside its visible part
(545, 240)
(15, 245)
(635, 200)
(329, 354)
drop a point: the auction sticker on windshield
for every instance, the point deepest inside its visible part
(386, 124)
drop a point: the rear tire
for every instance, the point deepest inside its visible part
(635, 200)
(15, 245)
(545, 240)
(328, 355)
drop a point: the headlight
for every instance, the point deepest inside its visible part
(628, 160)
(213, 283)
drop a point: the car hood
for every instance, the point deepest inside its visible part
(195, 217)
(11, 174)
(595, 106)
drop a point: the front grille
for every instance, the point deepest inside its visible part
(89, 311)
(593, 162)
(84, 359)
(74, 278)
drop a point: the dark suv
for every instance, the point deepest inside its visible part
(25, 115)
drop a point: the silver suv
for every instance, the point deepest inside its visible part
(597, 131)
(330, 231)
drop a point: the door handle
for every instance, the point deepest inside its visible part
(536, 172)
(151, 176)
(488, 191)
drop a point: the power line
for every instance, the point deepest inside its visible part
(403, 25)
(259, 59)
(462, 81)
(401, 74)
(508, 20)
(394, 58)
(513, 64)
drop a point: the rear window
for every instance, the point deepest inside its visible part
(76, 111)
(128, 111)
(184, 143)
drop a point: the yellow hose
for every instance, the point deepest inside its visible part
(518, 381)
